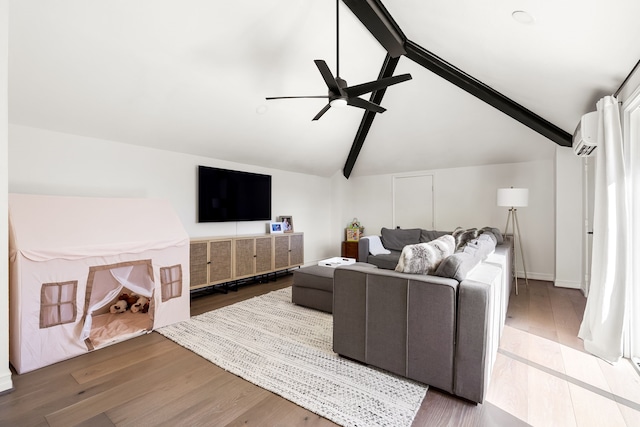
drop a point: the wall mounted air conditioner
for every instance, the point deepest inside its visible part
(585, 138)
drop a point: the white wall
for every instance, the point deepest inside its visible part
(46, 162)
(341, 190)
(5, 372)
(570, 231)
(466, 197)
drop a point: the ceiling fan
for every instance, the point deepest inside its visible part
(339, 93)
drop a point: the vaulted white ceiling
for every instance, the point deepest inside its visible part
(192, 76)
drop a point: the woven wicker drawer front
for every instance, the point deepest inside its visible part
(263, 254)
(244, 257)
(220, 255)
(296, 246)
(198, 263)
(281, 245)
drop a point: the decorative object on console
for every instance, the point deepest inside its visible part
(514, 198)
(353, 235)
(287, 223)
(354, 230)
(276, 227)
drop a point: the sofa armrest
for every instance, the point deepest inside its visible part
(363, 250)
(478, 334)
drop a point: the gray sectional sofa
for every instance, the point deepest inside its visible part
(442, 331)
(395, 240)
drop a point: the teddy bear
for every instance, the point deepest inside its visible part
(129, 298)
(119, 307)
(141, 305)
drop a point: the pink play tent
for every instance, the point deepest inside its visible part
(72, 258)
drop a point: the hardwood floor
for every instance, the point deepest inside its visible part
(541, 376)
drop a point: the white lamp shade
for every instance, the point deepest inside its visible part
(513, 197)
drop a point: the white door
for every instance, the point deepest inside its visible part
(413, 201)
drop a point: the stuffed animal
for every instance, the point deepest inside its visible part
(141, 305)
(119, 307)
(129, 298)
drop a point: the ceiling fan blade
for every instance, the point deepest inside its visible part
(327, 76)
(324, 110)
(367, 105)
(376, 85)
(294, 97)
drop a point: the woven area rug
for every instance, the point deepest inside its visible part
(287, 349)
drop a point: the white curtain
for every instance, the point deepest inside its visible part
(135, 279)
(603, 323)
(631, 121)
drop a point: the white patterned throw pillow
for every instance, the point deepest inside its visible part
(424, 258)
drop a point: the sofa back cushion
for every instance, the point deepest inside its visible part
(397, 239)
(429, 235)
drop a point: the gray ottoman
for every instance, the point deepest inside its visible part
(313, 286)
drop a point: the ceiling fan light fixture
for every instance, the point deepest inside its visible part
(339, 94)
(338, 102)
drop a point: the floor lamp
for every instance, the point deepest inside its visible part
(514, 198)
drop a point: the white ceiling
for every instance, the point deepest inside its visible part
(192, 76)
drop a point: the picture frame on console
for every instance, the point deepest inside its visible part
(276, 228)
(287, 223)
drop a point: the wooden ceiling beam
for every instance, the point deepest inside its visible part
(485, 93)
(375, 17)
(387, 70)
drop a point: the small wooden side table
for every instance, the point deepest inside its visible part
(350, 250)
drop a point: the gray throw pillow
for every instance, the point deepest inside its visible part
(397, 239)
(457, 266)
(496, 233)
(480, 247)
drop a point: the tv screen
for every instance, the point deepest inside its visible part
(227, 195)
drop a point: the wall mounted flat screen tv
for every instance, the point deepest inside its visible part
(228, 195)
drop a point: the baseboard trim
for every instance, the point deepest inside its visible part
(567, 284)
(535, 276)
(6, 385)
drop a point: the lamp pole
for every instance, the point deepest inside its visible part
(512, 197)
